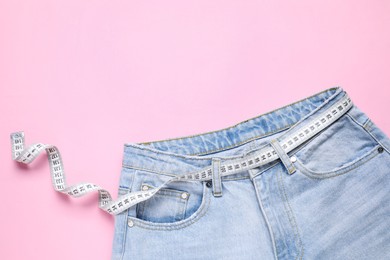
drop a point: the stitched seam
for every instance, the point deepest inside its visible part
(174, 226)
(224, 178)
(123, 246)
(124, 235)
(126, 212)
(182, 208)
(227, 178)
(357, 122)
(266, 169)
(262, 208)
(379, 142)
(236, 178)
(245, 141)
(218, 186)
(163, 193)
(214, 180)
(290, 215)
(188, 156)
(165, 153)
(368, 130)
(148, 170)
(325, 175)
(366, 124)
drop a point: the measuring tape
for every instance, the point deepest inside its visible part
(228, 167)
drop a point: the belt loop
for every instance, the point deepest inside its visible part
(216, 177)
(283, 156)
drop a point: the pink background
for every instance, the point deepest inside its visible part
(88, 76)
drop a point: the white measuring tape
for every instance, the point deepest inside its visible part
(260, 157)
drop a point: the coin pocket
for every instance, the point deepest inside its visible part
(167, 205)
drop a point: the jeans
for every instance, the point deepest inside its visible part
(326, 198)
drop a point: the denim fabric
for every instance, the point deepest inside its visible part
(326, 199)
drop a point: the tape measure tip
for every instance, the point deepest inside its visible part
(17, 134)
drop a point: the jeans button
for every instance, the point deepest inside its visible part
(209, 184)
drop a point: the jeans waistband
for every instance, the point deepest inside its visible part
(180, 155)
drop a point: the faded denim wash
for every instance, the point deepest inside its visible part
(334, 206)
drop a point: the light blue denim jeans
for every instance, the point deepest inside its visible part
(326, 199)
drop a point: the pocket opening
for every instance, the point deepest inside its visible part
(167, 205)
(343, 146)
(191, 216)
(348, 167)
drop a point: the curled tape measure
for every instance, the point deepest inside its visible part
(251, 160)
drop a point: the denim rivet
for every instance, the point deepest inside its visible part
(184, 195)
(209, 184)
(130, 223)
(293, 159)
(145, 187)
(380, 149)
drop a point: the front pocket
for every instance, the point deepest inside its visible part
(167, 205)
(342, 147)
(345, 168)
(176, 205)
